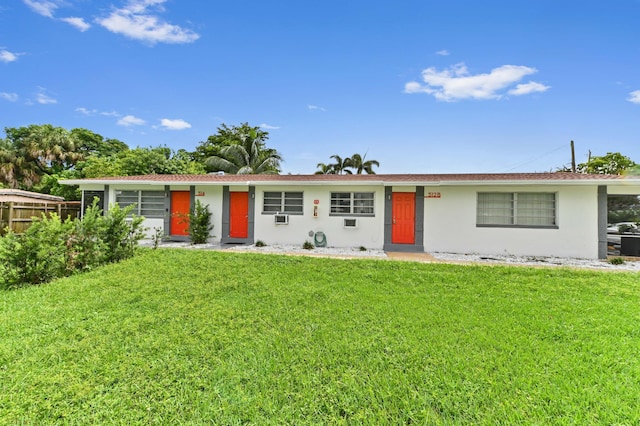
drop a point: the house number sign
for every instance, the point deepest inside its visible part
(433, 195)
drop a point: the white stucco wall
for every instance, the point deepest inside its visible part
(450, 224)
(211, 196)
(369, 233)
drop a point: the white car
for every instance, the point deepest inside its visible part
(630, 226)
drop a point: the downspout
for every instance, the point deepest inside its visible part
(602, 222)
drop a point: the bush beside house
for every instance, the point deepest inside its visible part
(51, 248)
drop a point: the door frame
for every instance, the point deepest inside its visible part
(226, 217)
(418, 228)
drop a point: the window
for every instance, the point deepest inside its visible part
(352, 203)
(152, 203)
(149, 204)
(527, 209)
(282, 202)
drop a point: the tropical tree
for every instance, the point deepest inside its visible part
(241, 150)
(340, 166)
(30, 152)
(361, 164)
(613, 163)
(225, 136)
(93, 144)
(324, 169)
(357, 162)
(160, 160)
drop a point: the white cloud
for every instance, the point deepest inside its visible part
(177, 124)
(634, 97)
(86, 111)
(457, 83)
(135, 22)
(79, 23)
(130, 120)
(268, 127)
(443, 52)
(315, 108)
(48, 7)
(43, 7)
(6, 56)
(11, 97)
(531, 87)
(43, 99)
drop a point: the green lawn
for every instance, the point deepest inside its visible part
(189, 337)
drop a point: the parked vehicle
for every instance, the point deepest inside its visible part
(622, 227)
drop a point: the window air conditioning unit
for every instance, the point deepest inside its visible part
(350, 223)
(281, 219)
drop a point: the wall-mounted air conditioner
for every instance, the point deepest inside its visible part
(350, 223)
(281, 219)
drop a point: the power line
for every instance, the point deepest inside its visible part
(531, 160)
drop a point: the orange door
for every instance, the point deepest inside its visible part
(404, 212)
(180, 205)
(238, 214)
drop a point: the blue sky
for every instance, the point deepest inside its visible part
(421, 86)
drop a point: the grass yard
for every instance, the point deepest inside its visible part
(183, 336)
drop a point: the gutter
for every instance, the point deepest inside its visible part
(441, 183)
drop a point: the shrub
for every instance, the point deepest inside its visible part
(86, 248)
(199, 223)
(51, 248)
(260, 243)
(158, 235)
(37, 256)
(308, 245)
(616, 261)
(121, 234)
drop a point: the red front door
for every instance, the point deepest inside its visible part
(403, 222)
(238, 214)
(180, 206)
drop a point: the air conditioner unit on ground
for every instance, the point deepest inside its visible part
(281, 219)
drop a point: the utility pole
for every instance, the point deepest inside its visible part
(573, 158)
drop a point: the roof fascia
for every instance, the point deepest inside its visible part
(483, 182)
(545, 182)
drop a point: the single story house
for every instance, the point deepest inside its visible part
(536, 214)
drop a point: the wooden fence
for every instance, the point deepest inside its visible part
(18, 216)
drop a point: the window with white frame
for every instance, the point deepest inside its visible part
(282, 202)
(352, 204)
(149, 204)
(526, 209)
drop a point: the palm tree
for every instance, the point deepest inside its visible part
(357, 162)
(28, 153)
(250, 156)
(325, 169)
(340, 166)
